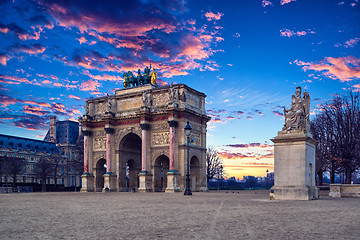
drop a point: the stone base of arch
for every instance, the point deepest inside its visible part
(172, 182)
(110, 183)
(145, 182)
(87, 183)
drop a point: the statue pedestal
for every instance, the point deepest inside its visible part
(87, 181)
(294, 166)
(145, 179)
(109, 182)
(172, 183)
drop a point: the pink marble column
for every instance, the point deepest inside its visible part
(109, 132)
(173, 124)
(86, 151)
(144, 135)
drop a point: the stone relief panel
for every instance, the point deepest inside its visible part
(160, 127)
(99, 133)
(161, 138)
(160, 99)
(99, 143)
(130, 103)
(100, 108)
(193, 100)
(197, 138)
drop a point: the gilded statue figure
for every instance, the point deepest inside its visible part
(297, 116)
(153, 77)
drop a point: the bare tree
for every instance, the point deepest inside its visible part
(337, 130)
(43, 168)
(78, 162)
(213, 163)
(57, 163)
(13, 166)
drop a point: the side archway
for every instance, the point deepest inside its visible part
(161, 167)
(129, 162)
(195, 168)
(100, 170)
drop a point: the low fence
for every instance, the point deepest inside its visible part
(344, 190)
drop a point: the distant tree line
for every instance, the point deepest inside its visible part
(337, 130)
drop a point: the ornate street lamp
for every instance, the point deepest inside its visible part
(267, 179)
(187, 130)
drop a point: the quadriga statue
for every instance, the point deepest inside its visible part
(297, 116)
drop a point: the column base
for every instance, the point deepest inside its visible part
(172, 181)
(145, 182)
(87, 183)
(294, 193)
(109, 183)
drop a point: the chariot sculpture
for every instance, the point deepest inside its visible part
(148, 77)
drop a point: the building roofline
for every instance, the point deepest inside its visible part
(37, 140)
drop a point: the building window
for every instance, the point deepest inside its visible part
(62, 181)
(72, 181)
(62, 170)
(32, 168)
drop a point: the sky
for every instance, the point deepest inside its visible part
(247, 56)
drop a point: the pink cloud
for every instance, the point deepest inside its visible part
(90, 85)
(283, 2)
(82, 40)
(213, 16)
(352, 42)
(13, 79)
(290, 33)
(266, 3)
(74, 97)
(4, 58)
(343, 68)
(30, 49)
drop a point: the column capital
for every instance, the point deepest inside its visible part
(145, 126)
(87, 133)
(109, 130)
(173, 123)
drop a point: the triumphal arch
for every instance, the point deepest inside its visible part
(134, 140)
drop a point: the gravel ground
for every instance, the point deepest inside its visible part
(212, 215)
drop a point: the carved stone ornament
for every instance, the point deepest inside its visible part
(160, 127)
(160, 138)
(99, 143)
(297, 116)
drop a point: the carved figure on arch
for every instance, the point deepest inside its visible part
(297, 116)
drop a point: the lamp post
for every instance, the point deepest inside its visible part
(187, 130)
(267, 179)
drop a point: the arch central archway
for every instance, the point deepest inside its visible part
(100, 170)
(129, 162)
(161, 167)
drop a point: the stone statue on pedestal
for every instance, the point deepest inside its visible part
(297, 116)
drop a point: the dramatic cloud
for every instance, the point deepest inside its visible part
(290, 33)
(283, 2)
(213, 16)
(90, 85)
(13, 79)
(139, 31)
(343, 68)
(30, 49)
(19, 32)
